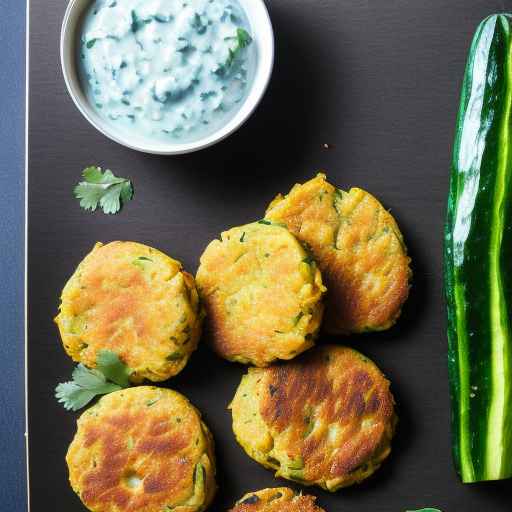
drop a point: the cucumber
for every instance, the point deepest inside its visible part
(478, 260)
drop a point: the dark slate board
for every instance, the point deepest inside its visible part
(379, 80)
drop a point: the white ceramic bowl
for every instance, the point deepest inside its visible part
(261, 27)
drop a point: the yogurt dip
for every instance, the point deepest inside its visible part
(170, 70)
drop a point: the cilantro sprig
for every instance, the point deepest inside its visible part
(110, 374)
(243, 40)
(103, 189)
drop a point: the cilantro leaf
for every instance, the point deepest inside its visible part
(93, 174)
(72, 396)
(111, 375)
(109, 364)
(243, 38)
(88, 378)
(110, 202)
(103, 189)
(86, 384)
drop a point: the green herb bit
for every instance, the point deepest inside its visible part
(297, 476)
(265, 221)
(198, 25)
(273, 461)
(296, 320)
(199, 479)
(208, 94)
(241, 255)
(175, 356)
(310, 426)
(103, 189)
(139, 262)
(296, 464)
(138, 23)
(163, 19)
(338, 197)
(242, 238)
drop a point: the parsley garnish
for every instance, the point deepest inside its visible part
(103, 189)
(111, 374)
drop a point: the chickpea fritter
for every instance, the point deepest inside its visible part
(135, 301)
(359, 250)
(280, 499)
(327, 418)
(143, 449)
(262, 293)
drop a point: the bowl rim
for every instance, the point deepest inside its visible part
(259, 86)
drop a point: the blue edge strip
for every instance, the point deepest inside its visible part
(12, 220)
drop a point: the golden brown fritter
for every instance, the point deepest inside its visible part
(135, 301)
(262, 293)
(280, 499)
(326, 418)
(358, 247)
(142, 449)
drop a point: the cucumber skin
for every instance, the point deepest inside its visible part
(478, 260)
